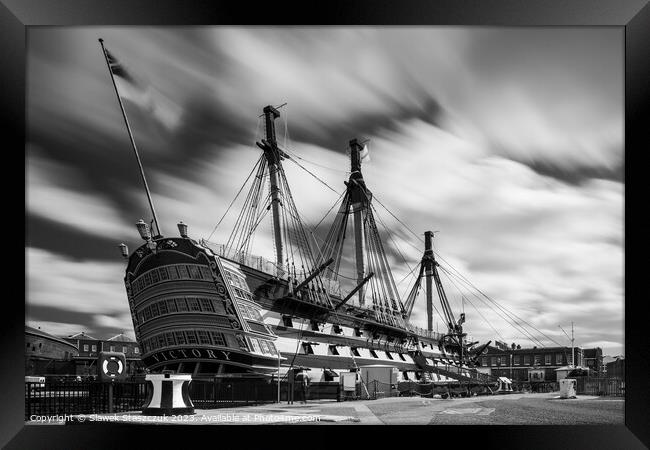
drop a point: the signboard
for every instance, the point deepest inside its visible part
(349, 380)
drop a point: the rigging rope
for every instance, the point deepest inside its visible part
(235, 199)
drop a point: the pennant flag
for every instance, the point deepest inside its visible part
(365, 153)
(144, 95)
(118, 69)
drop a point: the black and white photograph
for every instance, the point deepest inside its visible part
(346, 225)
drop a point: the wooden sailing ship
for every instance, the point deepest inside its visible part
(210, 309)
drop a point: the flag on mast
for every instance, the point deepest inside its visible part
(365, 153)
(143, 94)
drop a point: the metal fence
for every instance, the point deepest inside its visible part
(85, 397)
(59, 397)
(600, 386)
(231, 392)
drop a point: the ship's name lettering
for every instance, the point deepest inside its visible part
(191, 353)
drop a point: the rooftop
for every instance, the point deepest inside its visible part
(43, 334)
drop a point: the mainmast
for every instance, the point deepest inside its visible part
(427, 261)
(359, 199)
(272, 154)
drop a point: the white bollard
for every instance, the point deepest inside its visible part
(168, 395)
(568, 388)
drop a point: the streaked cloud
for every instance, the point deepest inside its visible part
(509, 142)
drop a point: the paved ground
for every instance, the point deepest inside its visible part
(512, 409)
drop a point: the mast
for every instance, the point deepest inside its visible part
(572, 343)
(135, 149)
(273, 157)
(428, 267)
(358, 202)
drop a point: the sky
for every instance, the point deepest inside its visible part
(508, 142)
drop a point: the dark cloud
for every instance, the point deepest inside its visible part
(581, 174)
(71, 242)
(53, 314)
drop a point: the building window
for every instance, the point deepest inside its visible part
(494, 361)
(191, 337)
(526, 360)
(516, 359)
(171, 305)
(123, 349)
(286, 320)
(180, 337)
(333, 350)
(182, 304)
(314, 326)
(217, 338)
(163, 307)
(204, 337)
(206, 305)
(337, 329)
(538, 360)
(85, 347)
(306, 347)
(169, 339)
(193, 303)
(547, 359)
(558, 359)
(357, 332)
(354, 351)
(263, 346)
(136, 350)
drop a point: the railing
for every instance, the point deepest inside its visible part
(262, 264)
(424, 332)
(84, 397)
(332, 287)
(231, 392)
(377, 389)
(600, 386)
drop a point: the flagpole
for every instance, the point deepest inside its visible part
(135, 149)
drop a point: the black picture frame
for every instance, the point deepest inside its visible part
(17, 16)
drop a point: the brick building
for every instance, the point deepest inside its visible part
(616, 368)
(89, 348)
(47, 354)
(593, 360)
(516, 362)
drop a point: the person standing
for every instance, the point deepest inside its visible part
(303, 379)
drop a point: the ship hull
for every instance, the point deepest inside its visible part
(196, 312)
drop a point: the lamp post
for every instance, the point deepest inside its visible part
(278, 375)
(511, 366)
